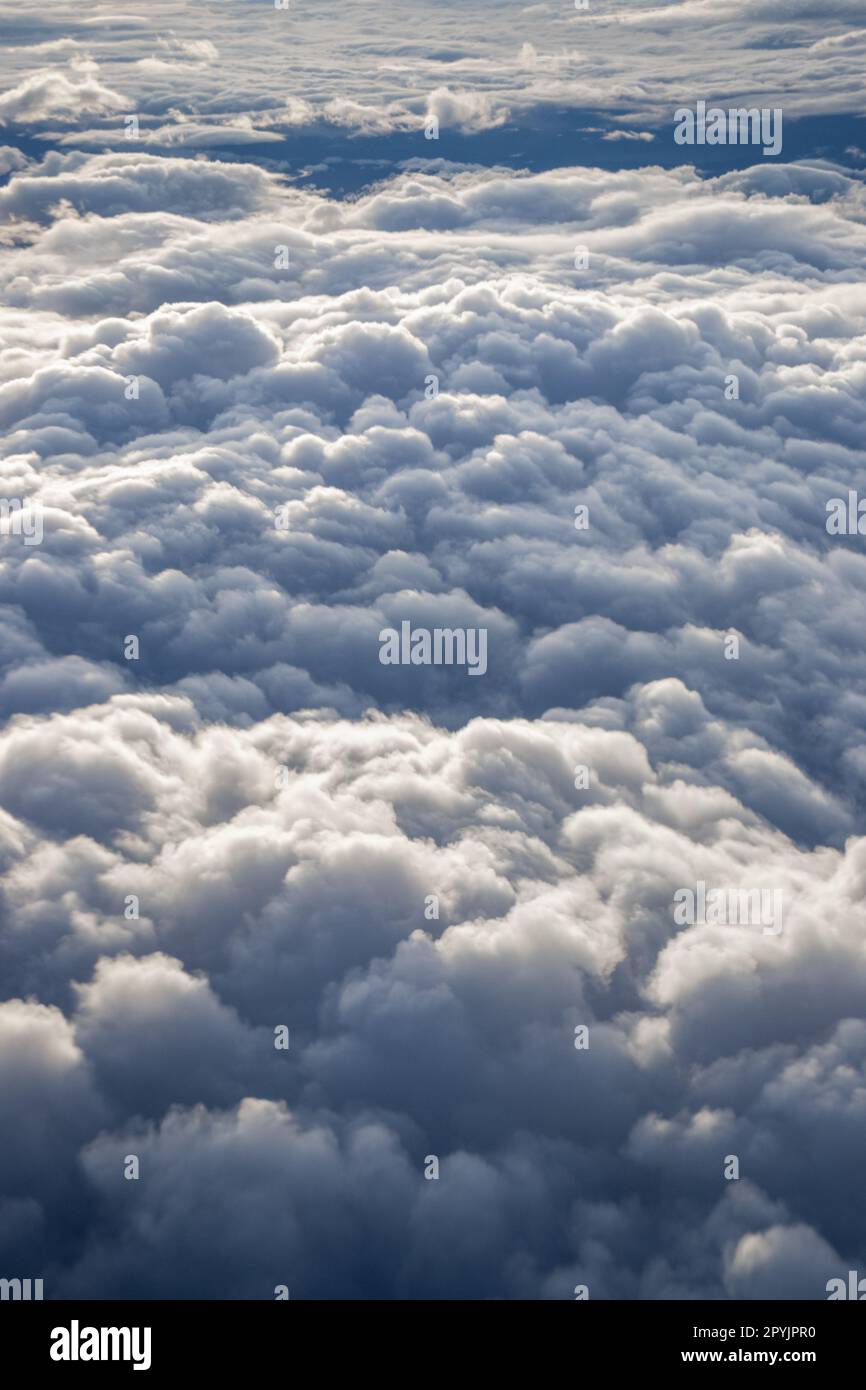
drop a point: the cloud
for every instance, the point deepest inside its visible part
(59, 92)
(10, 159)
(413, 1036)
(467, 111)
(597, 414)
(556, 388)
(118, 184)
(474, 70)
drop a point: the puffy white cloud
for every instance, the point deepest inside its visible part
(123, 182)
(67, 92)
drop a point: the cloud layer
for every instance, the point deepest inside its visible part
(259, 68)
(598, 414)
